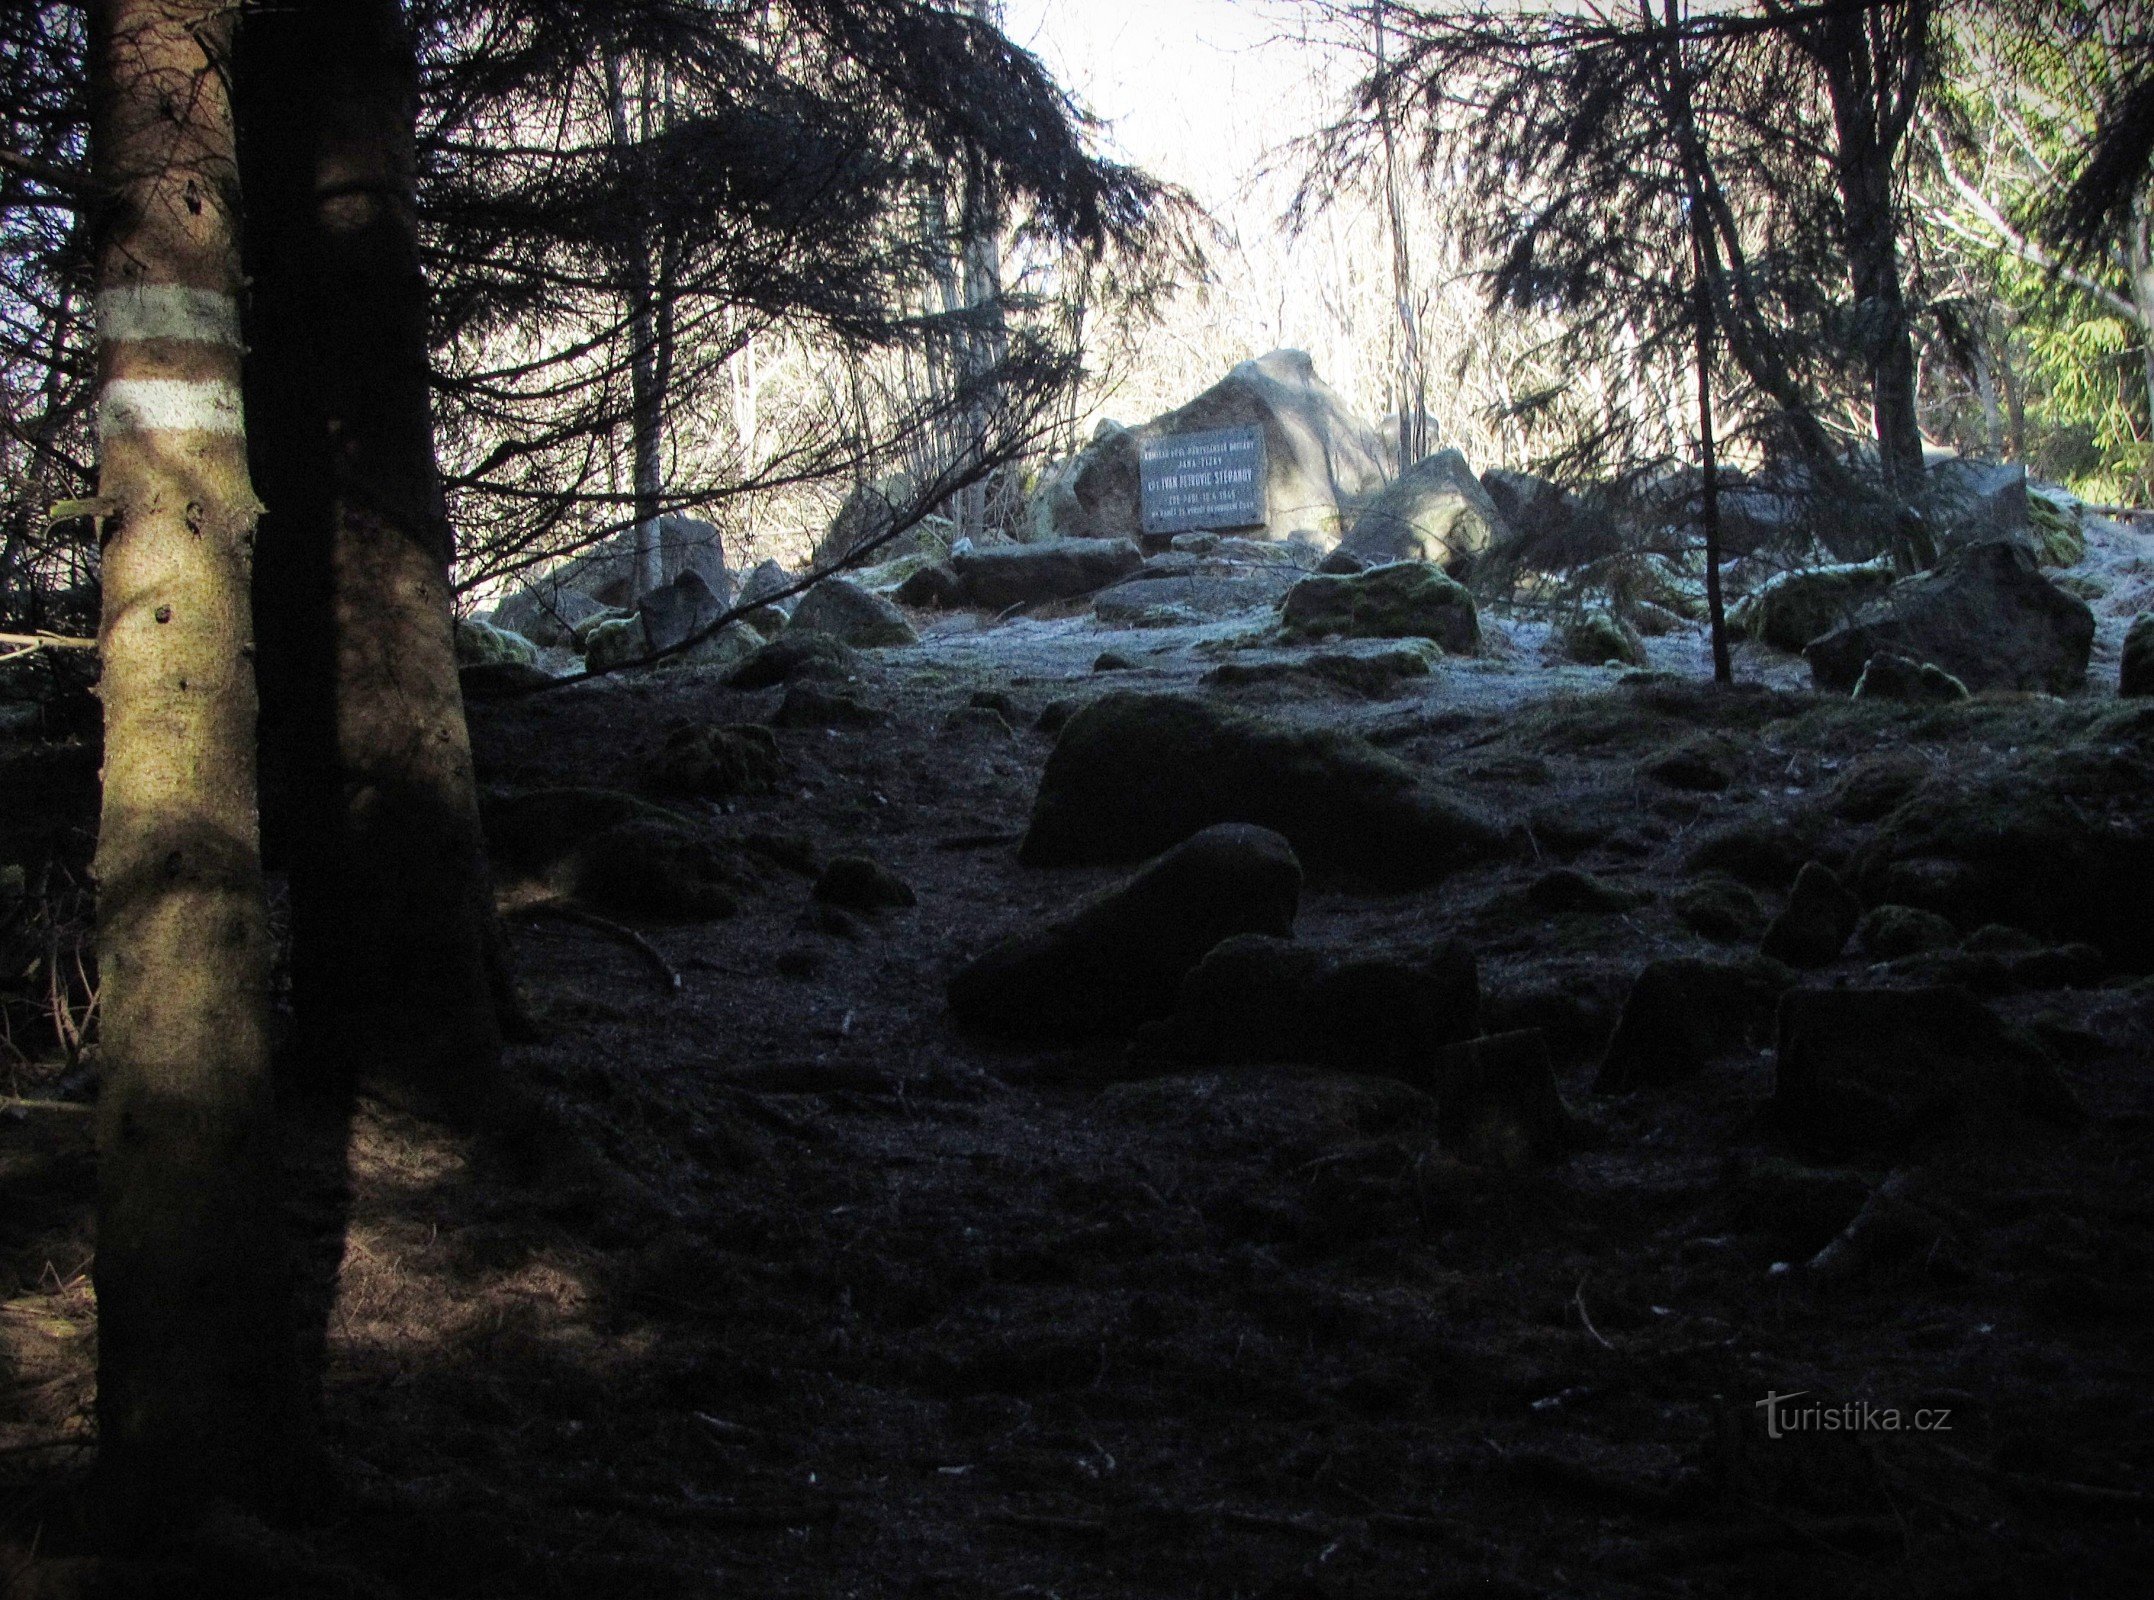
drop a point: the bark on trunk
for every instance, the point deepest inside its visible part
(1874, 66)
(396, 962)
(646, 384)
(196, 1360)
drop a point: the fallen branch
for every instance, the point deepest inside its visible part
(43, 641)
(668, 974)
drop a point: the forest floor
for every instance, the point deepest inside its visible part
(844, 1301)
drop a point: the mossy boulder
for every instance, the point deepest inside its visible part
(2060, 843)
(1403, 600)
(1681, 1014)
(1887, 676)
(714, 763)
(1118, 959)
(721, 651)
(1259, 998)
(1436, 511)
(1884, 1072)
(1600, 636)
(1889, 932)
(1790, 609)
(853, 616)
(481, 643)
(2059, 530)
(615, 643)
(609, 851)
(1984, 614)
(798, 653)
(2135, 675)
(1820, 918)
(1135, 773)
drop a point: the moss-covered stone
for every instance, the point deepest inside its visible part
(798, 653)
(1402, 600)
(1600, 636)
(481, 643)
(714, 763)
(1790, 609)
(853, 616)
(1134, 773)
(2135, 675)
(1887, 676)
(1683, 1013)
(2060, 535)
(615, 643)
(1118, 959)
(720, 652)
(1720, 908)
(1820, 918)
(1888, 932)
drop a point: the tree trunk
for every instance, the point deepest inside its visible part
(396, 962)
(1874, 76)
(196, 1360)
(1412, 374)
(646, 390)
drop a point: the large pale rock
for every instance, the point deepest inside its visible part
(1402, 600)
(1436, 512)
(1133, 773)
(1322, 462)
(1118, 960)
(1985, 614)
(1002, 576)
(852, 615)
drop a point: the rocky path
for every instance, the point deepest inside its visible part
(815, 1293)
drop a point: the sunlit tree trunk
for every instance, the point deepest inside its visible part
(196, 1359)
(1875, 63)
(647, 354)
(395, 962)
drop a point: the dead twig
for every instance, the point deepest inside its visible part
(668, 974)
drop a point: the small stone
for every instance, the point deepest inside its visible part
(1884, 1071)
(1568, 890)
(1895, 677)
(716, 763)
(1000, 701)
(1118, 959)
(1888, 932)
(1820, 917)
(1112, 661)
(801, 961)
(1722, 909)
(1707, 764)
(2135, 674)
(805, 653)
(860, 884)
(1599, 637)
(968, 721)
(811, 705)
(1497, 1102)
(1682, 1014)
(1055, 715)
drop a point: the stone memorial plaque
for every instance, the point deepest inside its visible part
(1191, 482)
